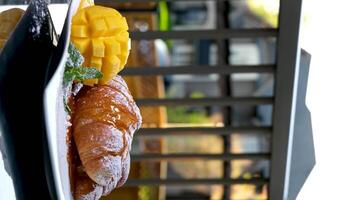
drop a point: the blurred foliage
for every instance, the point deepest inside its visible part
(267, 10)
(185, 114)
(188, 114)
(197, 95)
(145, 192)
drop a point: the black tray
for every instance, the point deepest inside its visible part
(26, 65)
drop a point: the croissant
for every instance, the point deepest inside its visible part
(104, 123)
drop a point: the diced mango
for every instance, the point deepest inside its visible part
(80, 18)
(112, 47)
(124, 53)
(98, 27)
(94, 12)
(96, 62)
(91, 82)
(112, 24)
(80, 31)
(108, 46)
(122, 36)
(112, 12)
(110, 66)
(98, 48)
(81, 44)
(123, 23)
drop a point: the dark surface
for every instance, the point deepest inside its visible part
(24, 64)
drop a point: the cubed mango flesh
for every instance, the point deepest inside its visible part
(101, 35)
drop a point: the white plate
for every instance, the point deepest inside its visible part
(55, 117)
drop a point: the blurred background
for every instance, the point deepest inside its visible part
(326, 33)
(196, 53)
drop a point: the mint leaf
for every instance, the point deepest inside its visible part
(75, 59)
(82, 73)
(74, 70)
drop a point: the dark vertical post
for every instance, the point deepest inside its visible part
(285, 91)
(225, 87)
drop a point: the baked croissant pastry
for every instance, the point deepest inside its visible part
(104, 123)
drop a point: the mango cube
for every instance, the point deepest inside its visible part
(80, 31)
(112, 47)
(82, 44)
(110, 66)
(98, 27)
(98, 48)
(80, 18)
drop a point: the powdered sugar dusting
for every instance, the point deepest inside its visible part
(88, 190)
(110, 171)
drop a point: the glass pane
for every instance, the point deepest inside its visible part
(187, 116)
(210, 116)
(250, 143)
(252, 51)
(177, 52)
(182, 52)
(199, 15)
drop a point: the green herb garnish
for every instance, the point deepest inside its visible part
(75, 59)
(74, 71)
(80, 74)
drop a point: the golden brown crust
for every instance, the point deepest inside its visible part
(104, 122)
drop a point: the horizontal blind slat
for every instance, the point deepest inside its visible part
(196, 69)
(224, 181)
(205, 101)
(194, 156)
(204, 34)
(203, 130)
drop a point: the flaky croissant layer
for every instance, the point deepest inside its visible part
(104, 123)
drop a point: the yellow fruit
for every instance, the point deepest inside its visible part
(96, 63)
(80, 31)
(80, 18)
(101, 35)
(112, 47)
(98, 48)
(85, 3)
(82, 44)
(110, 66)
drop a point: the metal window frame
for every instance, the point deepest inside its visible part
(286, 76)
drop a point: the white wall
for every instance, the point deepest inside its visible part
(330, 36)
